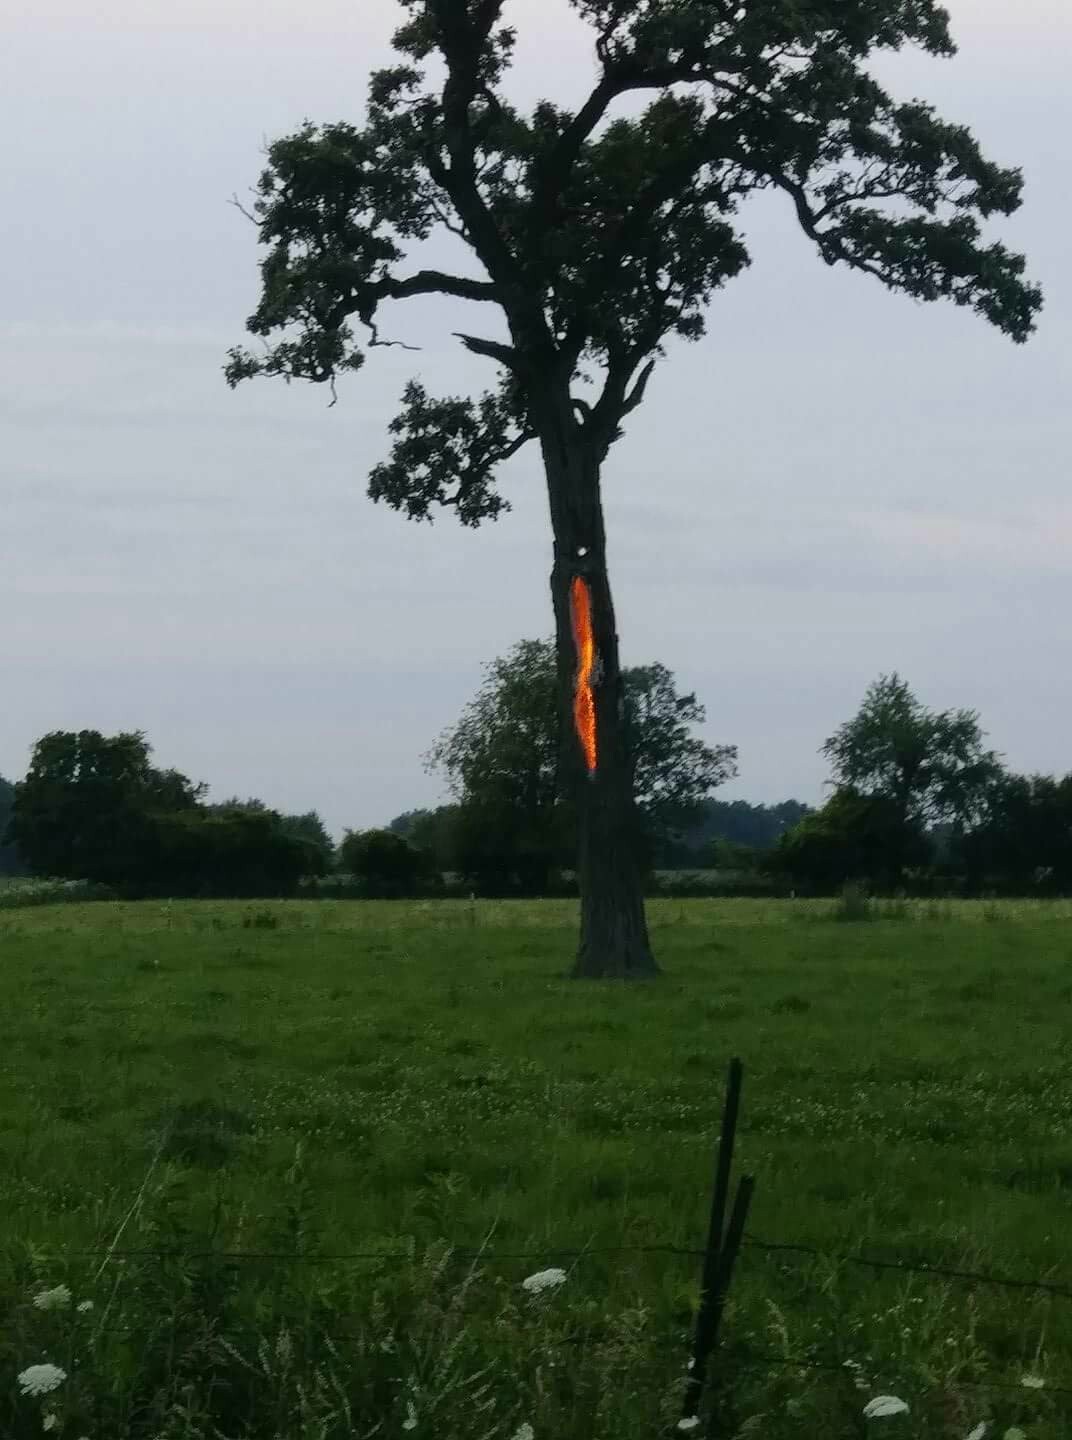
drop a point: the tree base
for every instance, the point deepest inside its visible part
(615, 960)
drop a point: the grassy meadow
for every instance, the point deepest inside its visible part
(406, 1084)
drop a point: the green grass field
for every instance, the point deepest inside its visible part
(398, 1080)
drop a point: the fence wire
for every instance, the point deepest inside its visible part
(928, 1269)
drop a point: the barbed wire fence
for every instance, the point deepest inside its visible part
(719, 1256)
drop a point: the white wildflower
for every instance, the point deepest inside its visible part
(57, 1299)
(856, 1370)
(524, 1432)
(84, 1307)
(1032, 1382)
(50, 1421)
(41, 1379)
(690, 1422)
(979, 1433)
(884, 1405)
(544, 1280)
(410, 1422)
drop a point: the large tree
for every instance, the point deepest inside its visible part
(597, 235)
(927, 767)
(502, 759)
(87, 805)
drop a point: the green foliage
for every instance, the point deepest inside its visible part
(729, 855)
(900, 770)
(514, 824)
(308, 828)
(506, 742)
(93, 808)
(393, 1080)
(434, 832)
(1023, 840)
(10, 860)
(385, 861)
(87, 807)
(600, 237)
(930, 765)
(853, 837)
(311, 829)
(674, 771)
(222, 852)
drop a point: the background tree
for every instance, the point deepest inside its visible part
(852, 837)
(674, 771)
(600, 236)
(1022, 842)
(10, 860)
(93, 807)
(927, 766)
(86, 807)
(308, 827)
(733, 823)
(406, 823)
(239, 852)
(435, 832)
(516, 819)
(387, 863)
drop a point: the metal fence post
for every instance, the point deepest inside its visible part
(720, 1253)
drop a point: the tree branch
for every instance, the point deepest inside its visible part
(636, 395)
(554, 172)
(491, 350)
(234, 200)
(435, 282)
(461, 43)
(618, 79)
(830, 247)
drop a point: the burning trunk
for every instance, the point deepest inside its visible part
(614, 933)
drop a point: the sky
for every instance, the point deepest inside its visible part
(836, 483)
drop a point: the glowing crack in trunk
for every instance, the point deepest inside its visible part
(584, 701)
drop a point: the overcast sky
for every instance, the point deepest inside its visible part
(837, 482)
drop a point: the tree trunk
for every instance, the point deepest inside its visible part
(614, 933)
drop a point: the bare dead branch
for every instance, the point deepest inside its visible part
(234, 200)
(490, 349)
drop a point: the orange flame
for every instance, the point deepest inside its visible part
(584, 701)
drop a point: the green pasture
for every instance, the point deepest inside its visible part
(398, 1082)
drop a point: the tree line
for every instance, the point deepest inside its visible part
(917, 803)
(920, 804)
(94, 807)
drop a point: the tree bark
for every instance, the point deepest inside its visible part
(614, 941)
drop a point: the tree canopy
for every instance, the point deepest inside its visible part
(85, 806)
(931, 765)
(600, 234)
(902, 775)
(1023, 839)
(385, 861)
(94, 807)
(503, 760)
(308, 827)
